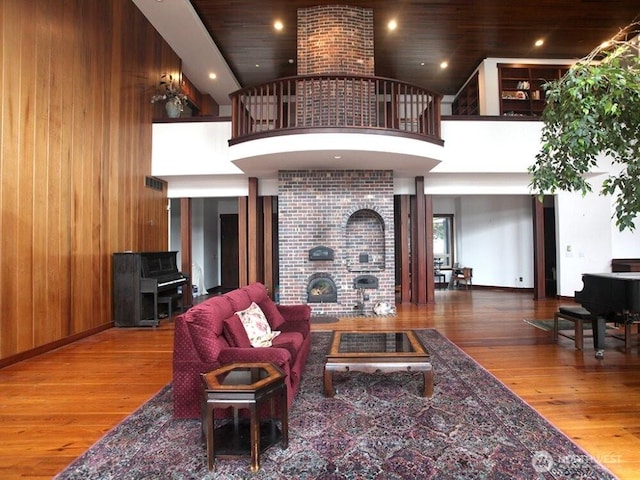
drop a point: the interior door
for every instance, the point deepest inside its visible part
(229, 251)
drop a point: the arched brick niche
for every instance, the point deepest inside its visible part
(365, 241)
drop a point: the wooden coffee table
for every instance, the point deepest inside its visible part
(375, 351)
(244, 386)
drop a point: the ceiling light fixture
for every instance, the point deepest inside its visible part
(444, 64)
(278, 25)
(213, 76)
(392, 25)
(539, 42)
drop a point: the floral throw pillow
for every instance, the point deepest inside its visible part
(257, 327)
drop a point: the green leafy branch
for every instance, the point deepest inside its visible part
(594, 111)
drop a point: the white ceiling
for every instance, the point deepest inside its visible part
(177, 22)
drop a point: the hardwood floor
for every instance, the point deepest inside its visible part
(55, 406)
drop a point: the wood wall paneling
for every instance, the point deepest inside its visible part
(75, 148)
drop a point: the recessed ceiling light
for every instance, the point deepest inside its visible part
(337, 157)
(257, 65)
(422, 64)
(539, 42)
(278, 25)
(444, 64)
(291, 60)
(392, 25)
(213, 76)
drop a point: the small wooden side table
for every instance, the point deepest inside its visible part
(244, 386)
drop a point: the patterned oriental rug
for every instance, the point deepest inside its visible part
(376, 427)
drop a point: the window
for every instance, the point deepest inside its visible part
(443, 241)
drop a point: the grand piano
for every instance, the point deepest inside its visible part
(609, 297)
(139, 280)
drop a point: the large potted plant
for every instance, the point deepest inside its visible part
(170, 90)
(594, 111)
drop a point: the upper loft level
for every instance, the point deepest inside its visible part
(508, 87)
(335, 104)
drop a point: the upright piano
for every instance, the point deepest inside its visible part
(609, 297)
(139, 279)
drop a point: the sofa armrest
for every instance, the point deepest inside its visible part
(278, 356)
(295, 313)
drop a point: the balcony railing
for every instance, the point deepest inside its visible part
(335, 103)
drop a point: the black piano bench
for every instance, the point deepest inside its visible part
(168, 301)
(578, 316)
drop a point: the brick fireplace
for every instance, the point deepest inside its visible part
(336, 238)
(349, 212)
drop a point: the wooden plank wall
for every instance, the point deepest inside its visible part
(75, 146)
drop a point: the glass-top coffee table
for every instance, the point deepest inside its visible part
(370, 352)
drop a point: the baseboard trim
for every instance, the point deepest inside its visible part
(34, 352)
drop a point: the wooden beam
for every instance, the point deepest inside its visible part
(185, 250)
(419, 248)
(268, 228)
(404, 239)
(242, 241)
(428, 226)
(253, 237)
(539, 287)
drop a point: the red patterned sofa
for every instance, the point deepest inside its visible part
(210, 335)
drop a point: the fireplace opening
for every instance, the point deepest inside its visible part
(322, 289)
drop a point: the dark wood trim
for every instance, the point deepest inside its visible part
(539, 290)
(185, 249)
(308, 130)
(253, 232)
(490, 118)
(242, 241)
(201, 118)
(404, 238)
(419, 248)
(268, 228)
(428, 227)
(19, 357)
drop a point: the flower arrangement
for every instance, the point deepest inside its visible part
(170, 90)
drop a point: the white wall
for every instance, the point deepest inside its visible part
(495, 238)
(583, 232)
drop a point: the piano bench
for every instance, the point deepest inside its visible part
(578, 316)
(168, 301)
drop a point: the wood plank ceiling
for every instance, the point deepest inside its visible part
(460, 32)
